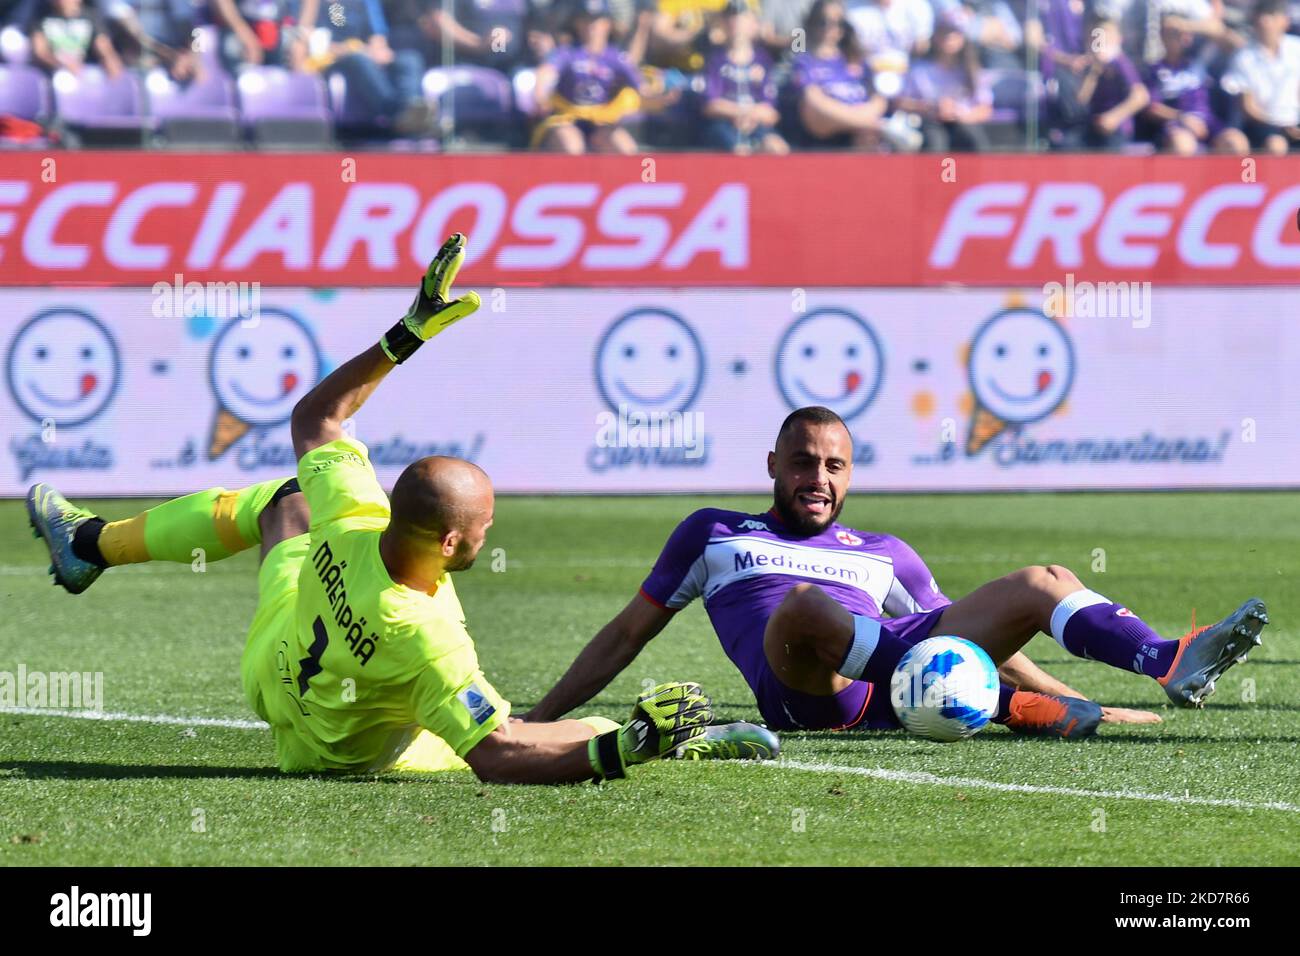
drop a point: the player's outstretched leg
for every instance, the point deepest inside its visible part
(1002, 615)
(816, 646)
(1206, 652)
(81, 544)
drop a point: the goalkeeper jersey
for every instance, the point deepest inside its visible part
(372, 661)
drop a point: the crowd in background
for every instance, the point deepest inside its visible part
(754, 76)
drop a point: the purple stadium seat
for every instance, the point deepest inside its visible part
(25, 94)
(1013, 91)
(524, 85)
(200, 113)
(479, 98)
(14, 46)
(283, 108)
(98, 106)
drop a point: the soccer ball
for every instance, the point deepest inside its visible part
(945, 688)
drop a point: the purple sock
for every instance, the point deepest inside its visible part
(1089, 626)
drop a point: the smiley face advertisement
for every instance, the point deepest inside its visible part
(631, 391)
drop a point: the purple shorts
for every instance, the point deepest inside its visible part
(862, 705)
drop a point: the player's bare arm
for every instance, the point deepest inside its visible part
(613, 648)
(318, 418)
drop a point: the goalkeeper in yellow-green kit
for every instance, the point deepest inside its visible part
(358, 656)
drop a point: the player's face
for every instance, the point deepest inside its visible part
(810, 469)
(471, 542)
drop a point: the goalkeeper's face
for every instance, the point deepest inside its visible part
(471, 537)
(810, 470)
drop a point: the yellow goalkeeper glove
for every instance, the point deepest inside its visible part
(663, 719)
(433, 309)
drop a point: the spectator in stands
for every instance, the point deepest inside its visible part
(387, 81)
(1179, 118)
(891, 32)
(1199, 18)
(1058, 36)
(779, 20)
(147, 32)
(682, 32)
(1110, 89)
(265, 32)
(947, 90)
(837, 104)
(17, 14)
(589, 89)
(991, 29)
(1266, 74)
(1130, 17)
(66, 36)
(495, 33)
(1059, 40)
(739, 91)
(633, 21)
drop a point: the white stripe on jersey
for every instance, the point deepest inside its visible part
(727, 560)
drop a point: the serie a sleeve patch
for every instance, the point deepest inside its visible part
(478, 705)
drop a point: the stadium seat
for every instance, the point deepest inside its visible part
(24, 96)
(286, 109)
(14, 46)
(479, 100)
(524, 86)
(202, 113)
(1013, 93)
(91, 106)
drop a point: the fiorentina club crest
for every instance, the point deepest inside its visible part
(848, 538)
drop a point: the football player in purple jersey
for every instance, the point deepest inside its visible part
(817, 615)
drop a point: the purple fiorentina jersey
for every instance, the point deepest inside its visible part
(839, 79)
(1113, 87)
(590, 79)
(1182, 87)
(742, 565)
(748, 83)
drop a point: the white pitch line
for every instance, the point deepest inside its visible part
(875, 773)
(234, 723)
(974, 783)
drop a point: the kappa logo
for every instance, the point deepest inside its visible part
(848, 538)
(749, 524)
(1125, 612)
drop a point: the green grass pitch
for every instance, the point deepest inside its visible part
(1219, 786)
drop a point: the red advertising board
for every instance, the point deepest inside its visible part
(329, 219)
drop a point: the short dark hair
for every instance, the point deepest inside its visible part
(1266, 7)
(813, 415)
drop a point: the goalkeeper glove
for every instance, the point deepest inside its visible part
(432, 311)
(663, 719)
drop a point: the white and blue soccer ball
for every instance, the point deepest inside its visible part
(945, 688)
